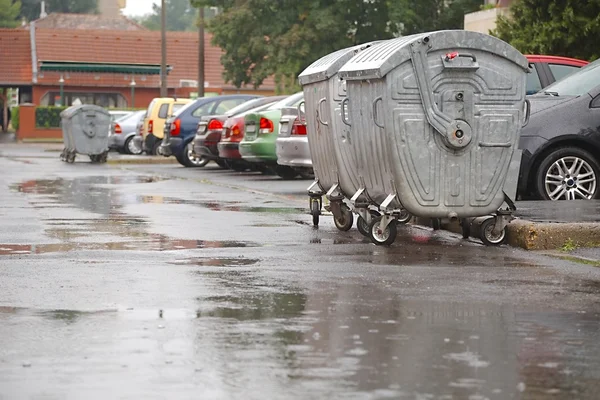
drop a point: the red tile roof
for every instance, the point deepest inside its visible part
(15, 57)
(129, 47)
(87, 21)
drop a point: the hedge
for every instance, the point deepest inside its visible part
(14, 117)
(48, 117)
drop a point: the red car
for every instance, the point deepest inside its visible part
(548, 69)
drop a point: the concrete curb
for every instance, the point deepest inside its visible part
(143, 160)
(530, 235)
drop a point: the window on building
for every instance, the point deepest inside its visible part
(107, 100)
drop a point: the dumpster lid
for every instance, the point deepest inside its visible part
(379, 60)
(325, 67)
(73, 110)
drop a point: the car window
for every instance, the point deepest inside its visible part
(578, 83)
(533, 80)
(288, 101)
(163, 111)
(177, 107)
(151, 106)
(247, 105)
(228, 104)
(560, 71)
(204, 109)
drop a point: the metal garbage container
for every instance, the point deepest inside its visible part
(328, 138)
(85, 131)
(435, 120)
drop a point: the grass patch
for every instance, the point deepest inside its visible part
(569, 245)
(580, 261)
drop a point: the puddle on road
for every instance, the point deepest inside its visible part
(217, 262)
(221, 206)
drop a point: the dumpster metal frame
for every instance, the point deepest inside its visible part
(97, 132)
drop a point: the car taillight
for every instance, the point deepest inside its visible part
(118, 129)
(265, 126)
(298, 128)
(150, 126)
(175, 127)
(236, 130)
(215, 125)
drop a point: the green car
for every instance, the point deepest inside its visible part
(259, 143)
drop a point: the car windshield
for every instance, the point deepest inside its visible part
(245, 106)
(135, 115)
(578, 83)
(288, 101)
(179, 108)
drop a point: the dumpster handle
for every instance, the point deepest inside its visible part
(323, 100)
(527, 112)
(452, 56)
(344, 119)
(377, 100)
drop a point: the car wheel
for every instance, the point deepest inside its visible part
(286, 172)
(130, 147)
(189, 159)
(568, 174)
(222, 163)
(156, 148)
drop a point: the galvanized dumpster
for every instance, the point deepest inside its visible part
(85, 131)
(435, 120)
(334, 175)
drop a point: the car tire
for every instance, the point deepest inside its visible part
(187, 159)
(568, 173)
(156, 148)
(129, 145)
(222, 163)
(285, 172)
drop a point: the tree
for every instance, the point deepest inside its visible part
(181, 16)
(9, 13)
(30, 9)
(556, 27)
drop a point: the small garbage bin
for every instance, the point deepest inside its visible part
(437, 118)
(335, 176)
(85, 131)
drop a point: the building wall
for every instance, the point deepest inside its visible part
(483, 21)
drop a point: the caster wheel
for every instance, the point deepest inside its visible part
(382, 237)
(345, 222)
(70, 158)
(487, 236)
(315, 210)
(362, 226)
(436, 224)
(466, 228)
(404, 217)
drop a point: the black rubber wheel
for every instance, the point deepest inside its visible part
(315, 210)
(130, 148)
(188, 159)
(222, 163)
(466, 228)
(345, 222)
(362, 226)
(486, 235)
(404, 217)
(156, 148)
(238, 166)
(572, 174)
(382, 237)
(285, 172)
(436, 224)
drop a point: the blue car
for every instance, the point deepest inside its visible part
(180, 129)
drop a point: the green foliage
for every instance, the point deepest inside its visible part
(261, 38)
(30, 9)
(569, 245)
(180, 16)
(48, 117)
(561, 27)
(9, 13)
(14, 118)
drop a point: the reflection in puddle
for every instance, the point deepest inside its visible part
(221, 205)
(217, 262)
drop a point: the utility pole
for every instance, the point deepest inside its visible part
(163, 49)
(201, 52)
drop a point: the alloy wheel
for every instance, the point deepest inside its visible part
(570, 178)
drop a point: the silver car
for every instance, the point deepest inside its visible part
(123, 132)
(292, 142)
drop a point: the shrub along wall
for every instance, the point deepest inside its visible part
(48, 117)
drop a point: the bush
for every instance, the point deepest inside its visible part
(48, 117)
(14, 118)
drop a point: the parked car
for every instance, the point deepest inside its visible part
(118, 114)
(292, 141)
(154, 121)
(210, 127)
(123, 132)
(258, 145)
(561, 143)
(545, 70)
(180, 129)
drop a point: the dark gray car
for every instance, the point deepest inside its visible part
(561, 143)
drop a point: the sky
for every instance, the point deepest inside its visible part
(139, 7)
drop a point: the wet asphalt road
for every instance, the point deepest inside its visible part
(160, 282)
